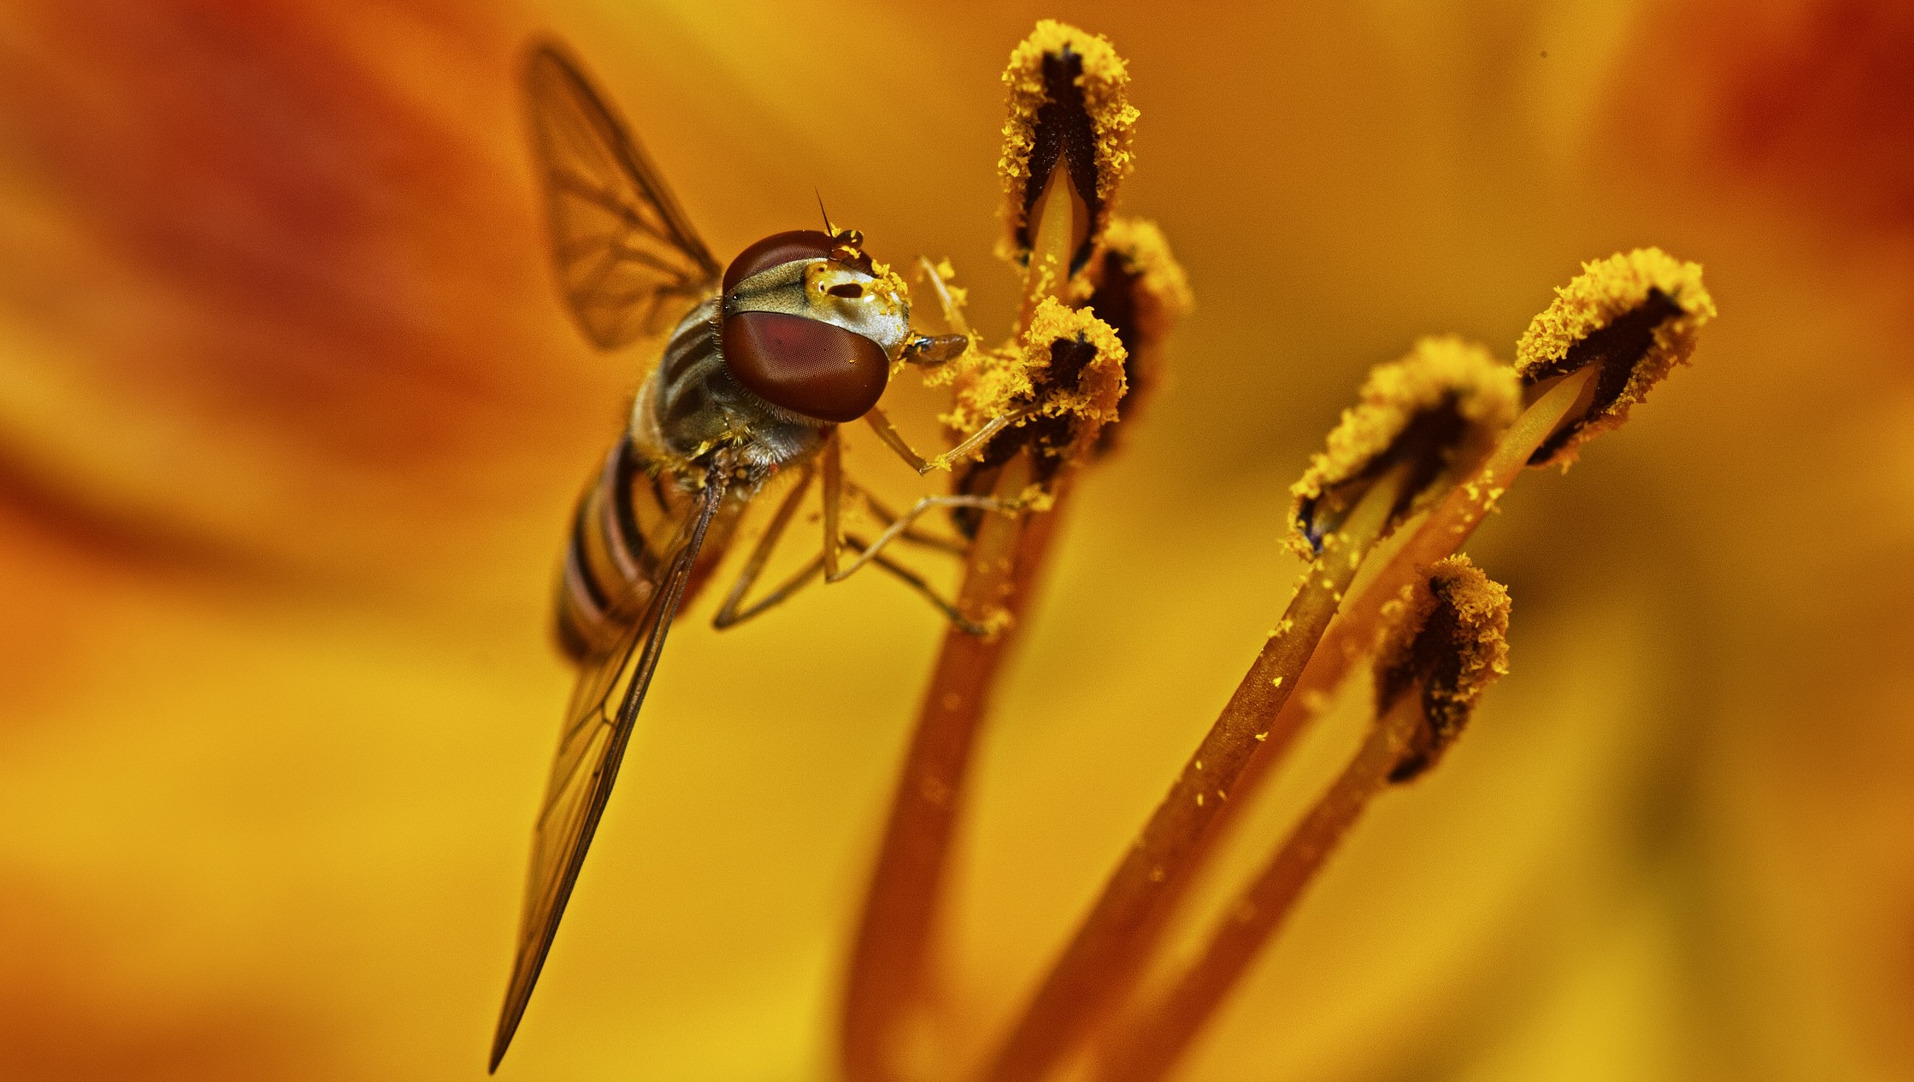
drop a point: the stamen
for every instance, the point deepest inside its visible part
(1619, 285)
(1034, 410)
(1106, 953)
(1069, 128)
(1421, 421)
(1449, 643)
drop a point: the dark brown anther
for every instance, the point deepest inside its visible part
(1427, 420)
(1427, 445)
(1141, 292)
(1063, 130)
(804, 365)
(1623, 324)
(1617, 348)
(1115, 302)
(1459, 649)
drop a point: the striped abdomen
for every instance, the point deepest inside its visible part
(621, 538)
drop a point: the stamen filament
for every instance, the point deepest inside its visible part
(1048, 272)
(1106, 952)
(1144, 1047)
(1446, 529)
(890, 962)
(1441, 533)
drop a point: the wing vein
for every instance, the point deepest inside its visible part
(586, 765)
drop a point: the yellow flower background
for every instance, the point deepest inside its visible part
(291, 419)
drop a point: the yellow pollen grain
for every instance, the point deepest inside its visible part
(888, 284)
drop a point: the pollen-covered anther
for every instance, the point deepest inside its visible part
(1141, 292)
(1067, 135)
(1448, 639)
(1062, 381)
(1436, 414)
(1633, 315)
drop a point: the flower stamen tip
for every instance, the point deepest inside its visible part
(1068, 133)
(1636, 316)
(1450, 639)
(1436, 412)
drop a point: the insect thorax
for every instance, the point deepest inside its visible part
(692, 407)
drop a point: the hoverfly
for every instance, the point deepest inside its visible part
(765, 358)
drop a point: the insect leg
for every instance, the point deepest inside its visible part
(895, 440)
(903, 523)
(953, 312)
(885, 516)
(917, 583)
(730, 613)
(833, 468)
(970, 446)
(733, 616)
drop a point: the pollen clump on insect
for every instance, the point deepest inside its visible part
(888, 284)
(1636, 315)
(1447, 640)
(1069, 113)
(1436, 413)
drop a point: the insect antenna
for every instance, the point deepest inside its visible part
(829, 229)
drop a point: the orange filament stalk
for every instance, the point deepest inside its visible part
(1145, 1047)
(1104, 955)
(890, 961)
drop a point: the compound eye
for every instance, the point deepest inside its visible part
(777, 250)
(805, 365)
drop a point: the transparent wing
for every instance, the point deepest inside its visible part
(628, 261)
(597, 728)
